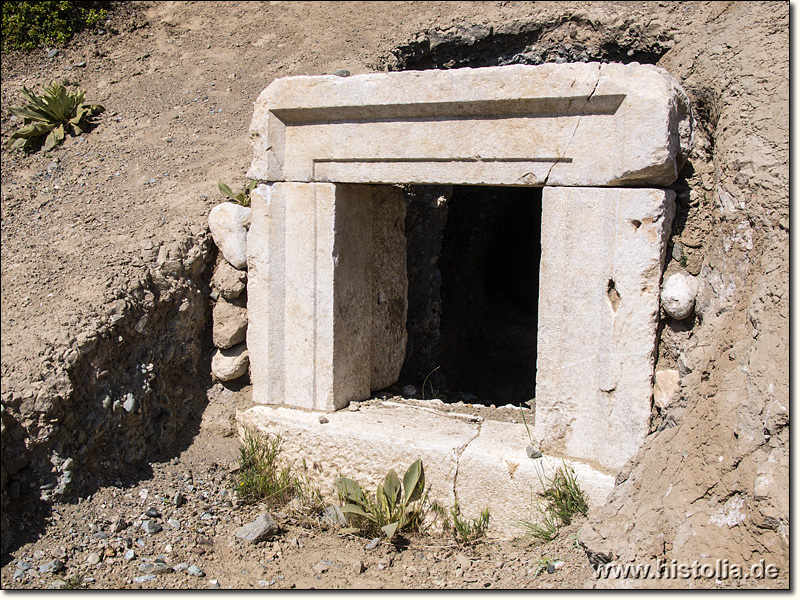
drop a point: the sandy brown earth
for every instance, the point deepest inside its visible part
(83, 223)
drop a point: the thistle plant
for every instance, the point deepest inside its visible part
(55, 114)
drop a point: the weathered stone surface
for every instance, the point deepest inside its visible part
(263, 528)
(602, 257)
(570, 124)
(229, 324)
(484, 464)
(495, 471)
(666, 388)
(228, 223)
(229, 281)
(230, 363)
(326, 293)
(364, 445)
(678, 295)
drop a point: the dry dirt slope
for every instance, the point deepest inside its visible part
(128, 202)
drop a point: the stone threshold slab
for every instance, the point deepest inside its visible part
(482, 464)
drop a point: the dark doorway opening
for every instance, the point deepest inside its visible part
(489, 266)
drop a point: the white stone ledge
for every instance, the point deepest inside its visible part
(482, 464)
(582, 124)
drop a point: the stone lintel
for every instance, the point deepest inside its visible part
(580, 124)
(601, 265)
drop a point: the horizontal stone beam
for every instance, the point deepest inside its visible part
(582, 124)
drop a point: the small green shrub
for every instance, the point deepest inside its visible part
(545, 530)
(57, 113)
(465, 531)
(563, 499)
(243, 197)
(262, 476)
(394, 507)
(28, 25)
(563, 495)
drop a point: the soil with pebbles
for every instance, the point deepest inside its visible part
(102, 542)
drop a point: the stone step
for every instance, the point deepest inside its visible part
(482, 464)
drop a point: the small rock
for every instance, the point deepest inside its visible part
(54, 566)
(58, 584)
(360, 567)
(533, 452)
(230, 364)
(53, 53)
(334, 516)
(213, 584)
(409, 391)
(229, 324)
(151, 526)
(179, 499)
(81, 64)
(342, 73)
(152, 512)
(321, 567)
(120, 524)
(373, 543)
(229, 223)
(666, 388)
(228, 280)
(19, 574)
(24, 565)
(323, 419)
(93, 559)
(154, 567)
(678, 295)
(261, 529)
(143, 578)
(129, 555)
(195, 571)
(180, 567)
(174, 523)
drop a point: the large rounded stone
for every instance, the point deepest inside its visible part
(678, 294)
(229, 223)
(230, 364)
(229, 281)
(230, 324)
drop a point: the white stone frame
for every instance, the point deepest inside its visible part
(321, 333)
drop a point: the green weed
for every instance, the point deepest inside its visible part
(465, 531)
(242, 198)
(56, 113)
(394, 507)
(262, 475)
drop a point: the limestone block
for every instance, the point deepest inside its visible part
(326, 292)
(495, 471)
(667, 388)
(578, 124)
(678, 295)
(228, 223)
(364, 445)
(229, 324)
(231, 363)
(602, 257)
(229, 281)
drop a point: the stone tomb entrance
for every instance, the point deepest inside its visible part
(327, 289)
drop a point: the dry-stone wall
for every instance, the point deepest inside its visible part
(229, 224)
